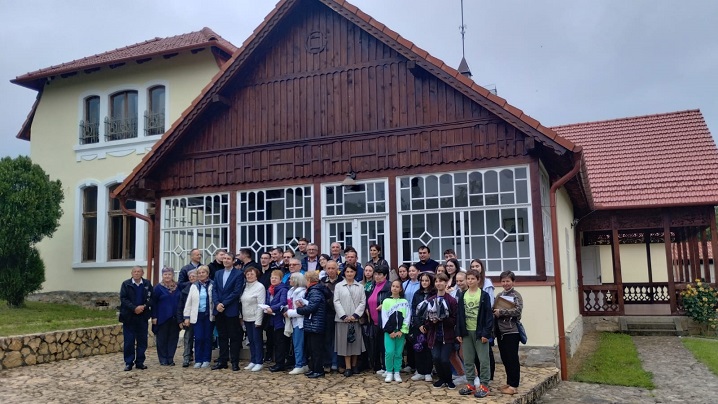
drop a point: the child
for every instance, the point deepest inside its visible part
(439, 328)
(475, 325)
(395, 318)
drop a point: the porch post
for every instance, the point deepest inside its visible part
(579, 269)
(706, 261)
(669, 261)
(714, 242)
(617, 279)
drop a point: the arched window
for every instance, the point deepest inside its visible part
(90, 124)
(122, 123)
(155, 114)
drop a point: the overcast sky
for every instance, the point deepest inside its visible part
(561, 61)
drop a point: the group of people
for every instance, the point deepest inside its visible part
(320, 313)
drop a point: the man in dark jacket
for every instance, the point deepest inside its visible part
(474, 326)
(217, 264)
(135, 298)
(229, 285)
(195, 257)
(425, 263)
(315, 318)
(188, 338)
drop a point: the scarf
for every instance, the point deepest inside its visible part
(171, 286)
(271, 290)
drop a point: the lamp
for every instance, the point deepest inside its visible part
(350, 179)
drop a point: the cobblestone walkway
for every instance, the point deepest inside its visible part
(101, 379)
(678, 376)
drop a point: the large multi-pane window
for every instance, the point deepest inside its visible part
(200, 221)
(482, 214)
(356, 216)
(122, 122)
(90, 125)
(122, 229)
(155, 115)
(274, 217)
(89, 224)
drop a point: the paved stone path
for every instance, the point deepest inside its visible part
(678, 376)
(101, 379)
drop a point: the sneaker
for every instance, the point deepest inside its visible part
(428, 379)
(380, 372)
(397, 377)
(417, 377)
(481, 392)
(467, 390)
(297, 371)
(257, 368)
(389, 377)
(439, 384)
(250, 366)
(477, 381)
(451, 385)
(198, 365)
(407, 369)
(205, 365)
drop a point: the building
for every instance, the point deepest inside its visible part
(93, 120)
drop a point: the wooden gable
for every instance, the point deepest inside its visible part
(321, 95)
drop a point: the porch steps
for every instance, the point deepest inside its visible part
(659, 325)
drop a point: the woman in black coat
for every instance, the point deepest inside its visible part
(314, 322)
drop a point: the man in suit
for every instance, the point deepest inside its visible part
(135, 298)
(229, 285)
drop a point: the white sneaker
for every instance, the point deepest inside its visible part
(305, 368)
(397, 377)
(427, 378)
(389, 377)
(417, 377)
(257, 368)
(198, 365)
(205, 365)
(249, 367)
(296, 371)
(407, 369)
(380, 372)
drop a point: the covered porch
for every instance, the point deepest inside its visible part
(637, 261)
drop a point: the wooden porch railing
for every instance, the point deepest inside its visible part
(604, 300)
(600, 300)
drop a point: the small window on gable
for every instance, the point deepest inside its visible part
(89, 224)
(122, 229)
(155, 114)
(122, 122)
(90, 123)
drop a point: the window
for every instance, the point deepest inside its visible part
(90, 125)
(274, 218)
(155, 114)
(482, 214)
(546, 220)
(89, 224)
(122, 122)
(200, 221)
(122, 229)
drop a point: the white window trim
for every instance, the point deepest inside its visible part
(120, 148)
(387, 251)
(103, 196)
(400, 213)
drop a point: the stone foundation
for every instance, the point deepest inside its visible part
(574, 335)
(53, 346)
(534, 356)
(89, 300)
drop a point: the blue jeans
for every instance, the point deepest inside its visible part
(254, 335)
(135, 329)
(203, 338)
(298, 342)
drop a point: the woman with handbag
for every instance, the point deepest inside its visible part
(507, 331)
(349, 304)
(440, 327)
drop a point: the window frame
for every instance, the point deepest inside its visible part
(128, 234)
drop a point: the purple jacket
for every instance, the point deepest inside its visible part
(276, 302)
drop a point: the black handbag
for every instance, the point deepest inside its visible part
(351, 334)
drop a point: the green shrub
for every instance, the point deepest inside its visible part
(700, 301)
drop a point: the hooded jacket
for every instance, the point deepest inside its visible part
(315, 312)
(484, 320)
(276, 303)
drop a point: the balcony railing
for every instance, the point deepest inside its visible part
(120, 128)
(154, 123)
(89, 132)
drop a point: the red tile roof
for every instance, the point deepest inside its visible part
(149, 48)
(648, 161)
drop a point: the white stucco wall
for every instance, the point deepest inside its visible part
(634, 263)
(567, 257)
(54, 140)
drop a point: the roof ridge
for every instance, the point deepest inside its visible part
(627, 118)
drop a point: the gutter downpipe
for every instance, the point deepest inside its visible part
(150, 237)
(557, 262)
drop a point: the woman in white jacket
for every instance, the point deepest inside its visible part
(296, 296)
(253, 295)
(198, 312)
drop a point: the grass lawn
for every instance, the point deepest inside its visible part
(705, 350)
(615, 362)
(38, 317)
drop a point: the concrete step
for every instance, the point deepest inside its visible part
(651, 326)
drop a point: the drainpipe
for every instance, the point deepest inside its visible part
(150, 237)
(557, 261)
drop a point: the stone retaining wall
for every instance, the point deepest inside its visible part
(58, 345)
(88, 300)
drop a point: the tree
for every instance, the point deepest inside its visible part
(29, 211)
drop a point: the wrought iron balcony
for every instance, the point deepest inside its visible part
(89, 132)
(120, 128)
(154, 123)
